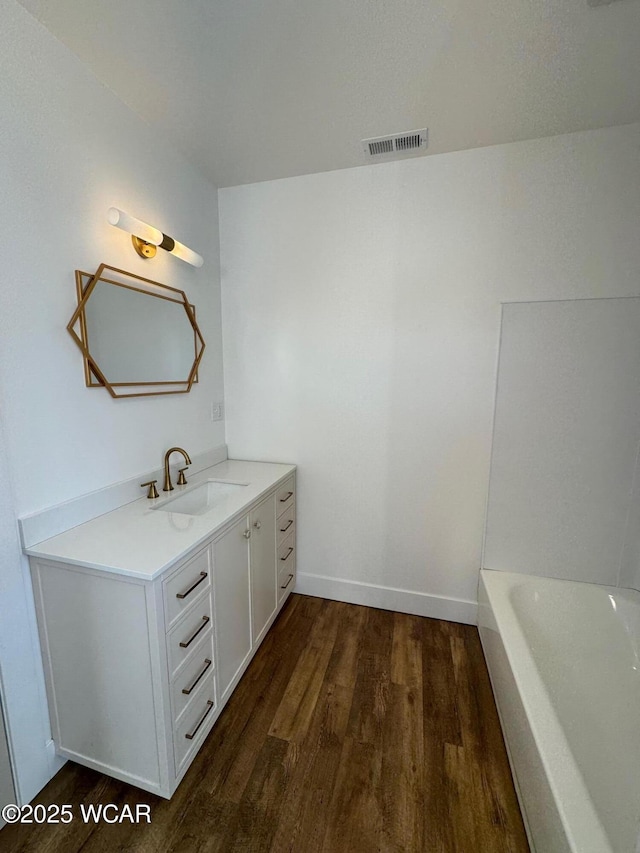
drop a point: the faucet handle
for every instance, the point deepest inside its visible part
(152, 491)
(182, 480)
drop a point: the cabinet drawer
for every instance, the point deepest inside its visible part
(188, 633)
(182, 589)
(286, 567)
(196, 722)
(286, 582)
(285, 496)
(286, 525)
(192, 677)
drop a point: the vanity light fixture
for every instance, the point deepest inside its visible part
(146, 238)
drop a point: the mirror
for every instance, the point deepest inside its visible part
(138, 337)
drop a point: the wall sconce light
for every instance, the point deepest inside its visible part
(146, 238)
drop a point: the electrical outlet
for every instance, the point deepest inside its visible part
(217, 411)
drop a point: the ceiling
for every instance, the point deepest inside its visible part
(252, 90)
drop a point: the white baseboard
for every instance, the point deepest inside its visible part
(388, 598)
(50, 522)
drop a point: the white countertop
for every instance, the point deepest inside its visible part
(140, 542)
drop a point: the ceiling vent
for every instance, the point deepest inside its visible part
(399, 143)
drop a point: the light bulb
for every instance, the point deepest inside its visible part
(134, 226)
(185, 254)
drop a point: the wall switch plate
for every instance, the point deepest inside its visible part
(217, 411)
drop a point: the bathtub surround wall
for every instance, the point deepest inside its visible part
(566, 438)
(361, 314)
(69, 149)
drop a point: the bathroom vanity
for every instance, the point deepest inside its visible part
(149, 615)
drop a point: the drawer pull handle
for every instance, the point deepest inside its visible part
(205, 619)
(284, 500)
(282, 529)
(191, 735)
(188, 690)
(287, 583)
(187, 592)
(289, 553)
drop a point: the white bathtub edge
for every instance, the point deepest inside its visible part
(555, 803)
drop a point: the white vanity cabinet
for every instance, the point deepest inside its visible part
(137, 670)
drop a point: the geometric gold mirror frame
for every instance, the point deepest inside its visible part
(138, 338)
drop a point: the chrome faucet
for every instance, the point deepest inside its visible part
(168, 485)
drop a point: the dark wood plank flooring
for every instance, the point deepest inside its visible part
(353, 729)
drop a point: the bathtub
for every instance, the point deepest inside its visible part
(564, 664)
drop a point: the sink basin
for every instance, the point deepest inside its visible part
(202, 498)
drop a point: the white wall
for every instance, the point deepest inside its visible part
(69, 149)
(361, 312)
(7, 791)
(565, 441)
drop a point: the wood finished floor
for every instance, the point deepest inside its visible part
(353, 729)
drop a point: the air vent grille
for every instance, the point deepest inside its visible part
(381, 146)
(398, 143)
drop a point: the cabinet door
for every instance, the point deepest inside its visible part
(263, 564)
(231, 602)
